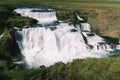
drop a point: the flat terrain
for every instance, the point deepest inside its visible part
(66, 4)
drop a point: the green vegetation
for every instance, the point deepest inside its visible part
(104, 18)
(18, 21)
(9, 51)
(9, 19)
(89, 69)
(5, 13)
(8, 46)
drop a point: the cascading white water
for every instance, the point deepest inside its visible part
(1, 35)
(43, 15)
(43, 46)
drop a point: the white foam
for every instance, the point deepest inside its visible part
(1, 35)
(43, 46)
(42, 17)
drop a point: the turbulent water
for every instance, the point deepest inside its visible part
(62, 42)
(42, 14)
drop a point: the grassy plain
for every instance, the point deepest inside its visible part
(66, 4)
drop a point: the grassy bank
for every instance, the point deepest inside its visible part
(89, 69)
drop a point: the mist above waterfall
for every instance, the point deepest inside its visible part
(60, 42)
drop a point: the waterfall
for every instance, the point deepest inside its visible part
(78, 17)
(61, 42)
(43, 15)
(1, 35)
(42, 46)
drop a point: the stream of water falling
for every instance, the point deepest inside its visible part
(62, 42)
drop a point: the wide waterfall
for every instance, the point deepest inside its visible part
(62, 42)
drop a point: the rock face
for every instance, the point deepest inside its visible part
(57, 42)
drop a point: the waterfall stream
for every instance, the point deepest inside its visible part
(61, 42)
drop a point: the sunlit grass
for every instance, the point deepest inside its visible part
(65, 4)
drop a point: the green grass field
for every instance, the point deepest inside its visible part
(66, 4)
